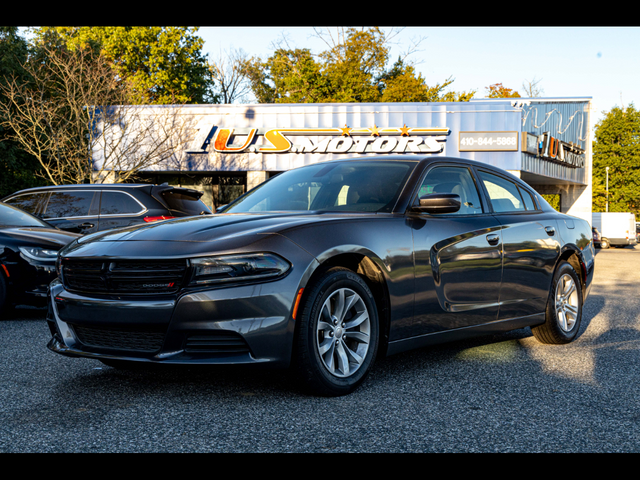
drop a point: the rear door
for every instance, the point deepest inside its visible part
(531, 245)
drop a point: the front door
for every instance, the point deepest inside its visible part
(458, 257)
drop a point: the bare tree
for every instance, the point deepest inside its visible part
(228, 71)
(130, 138)
(531, 88)
(73, 115)
(336, 39)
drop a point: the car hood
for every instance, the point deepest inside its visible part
(214, 227)
(50, 237)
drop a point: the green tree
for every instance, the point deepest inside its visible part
(352, 69)
(18, 169)
(164, 64)
(617, 146)
(353, 64)
(553, 199)
(288, 76)
(498, 91)
(400, 84)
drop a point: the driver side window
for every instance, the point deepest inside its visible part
(457, 180)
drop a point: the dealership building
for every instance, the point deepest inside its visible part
(544, 141)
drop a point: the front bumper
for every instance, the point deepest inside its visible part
(248, 324)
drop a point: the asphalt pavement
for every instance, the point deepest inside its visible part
(502, 393)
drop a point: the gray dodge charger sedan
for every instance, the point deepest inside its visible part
(325, 267)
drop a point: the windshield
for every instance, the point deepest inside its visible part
(352, 186)
(14, 217)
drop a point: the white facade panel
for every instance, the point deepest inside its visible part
(544, 141)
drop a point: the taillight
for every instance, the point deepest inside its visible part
(155, 219)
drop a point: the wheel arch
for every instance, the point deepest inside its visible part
(572, 255)
(367, 266)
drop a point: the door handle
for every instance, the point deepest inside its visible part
(550, 231)
(87, 225)
(493, 239)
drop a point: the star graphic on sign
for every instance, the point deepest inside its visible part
(405, 130)
(374, 131)
(345, 130)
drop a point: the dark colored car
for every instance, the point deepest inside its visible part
(28, 251)
(90, 208)
(596, 237)
(325, 267)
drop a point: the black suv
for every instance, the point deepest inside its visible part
(92, 207)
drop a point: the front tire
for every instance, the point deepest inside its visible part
(337, 338)
(604, 244)
(564, 308)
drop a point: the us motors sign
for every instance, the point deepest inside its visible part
(372, 139)
(550, 148)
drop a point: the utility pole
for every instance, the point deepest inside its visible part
(607, 207)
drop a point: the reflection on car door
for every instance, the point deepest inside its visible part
(30, 202)
(73, 211)
(458, 258)
(531, 247)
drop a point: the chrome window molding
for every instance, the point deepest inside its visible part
(110, 215)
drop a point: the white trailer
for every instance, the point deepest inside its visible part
(616, 229)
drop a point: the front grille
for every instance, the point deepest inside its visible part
(218, 342)
(124, 276)
(136, 340)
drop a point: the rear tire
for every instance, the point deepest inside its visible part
(338, 332)
(564, 308)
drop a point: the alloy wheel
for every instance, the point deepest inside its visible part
(343, 332)
(567, 302)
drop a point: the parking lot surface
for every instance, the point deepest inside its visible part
(502, 393)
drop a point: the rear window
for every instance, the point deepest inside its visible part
(182, 202)
(118, 203)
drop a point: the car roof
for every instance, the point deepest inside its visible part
(85, 186)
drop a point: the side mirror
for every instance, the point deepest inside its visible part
(220, 208)
(438, 203)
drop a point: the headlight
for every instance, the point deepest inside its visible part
(39, 254)
(234, 268)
